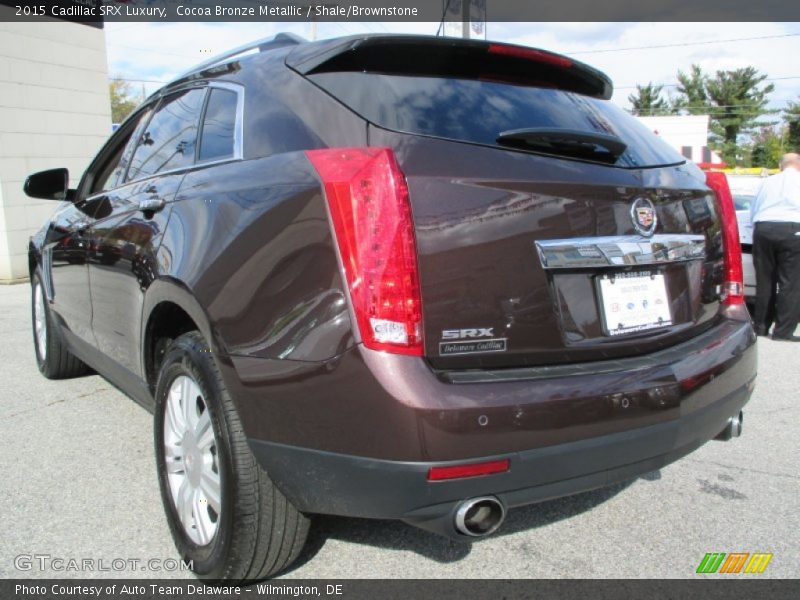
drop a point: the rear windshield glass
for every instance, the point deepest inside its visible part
(478, 111)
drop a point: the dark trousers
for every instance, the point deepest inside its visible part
(776, 257)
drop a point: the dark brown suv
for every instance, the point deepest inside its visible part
(393, 277)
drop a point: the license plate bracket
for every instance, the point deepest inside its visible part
(632, 302)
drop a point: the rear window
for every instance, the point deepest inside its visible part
(219, 126)
(477, 111)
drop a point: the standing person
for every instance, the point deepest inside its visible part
(776, 251)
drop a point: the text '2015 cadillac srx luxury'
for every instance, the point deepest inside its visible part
(392, 277)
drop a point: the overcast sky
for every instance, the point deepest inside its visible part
(155, 52)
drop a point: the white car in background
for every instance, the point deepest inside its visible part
(744, 189)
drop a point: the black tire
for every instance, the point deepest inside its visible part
(258, 531)
(56, 361)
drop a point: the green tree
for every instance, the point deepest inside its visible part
(767, 148)
(647, 100)
(791, 115)
(123, 100)
(734, 99)
(692, 97)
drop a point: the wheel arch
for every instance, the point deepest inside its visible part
(170, 309)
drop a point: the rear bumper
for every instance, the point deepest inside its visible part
(338, 484)
(682, 398)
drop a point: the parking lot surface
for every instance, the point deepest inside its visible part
(79, 482)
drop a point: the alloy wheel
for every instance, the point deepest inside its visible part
(40, 321)
(191, 460)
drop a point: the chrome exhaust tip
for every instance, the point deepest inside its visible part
(733, 428)
(478, 517)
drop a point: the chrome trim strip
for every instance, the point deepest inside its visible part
(623, 250)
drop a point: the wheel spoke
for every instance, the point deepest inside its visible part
(205, 528)
(210, 486)
(183, 504)
(204, 432)
(173, 457)
(188, 402)
(174, 417)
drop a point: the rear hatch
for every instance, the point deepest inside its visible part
(551, 226)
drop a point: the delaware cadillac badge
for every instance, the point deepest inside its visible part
(644, 217)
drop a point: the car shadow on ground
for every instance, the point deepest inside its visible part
(396, 535)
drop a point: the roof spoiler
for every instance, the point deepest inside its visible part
(450, 57)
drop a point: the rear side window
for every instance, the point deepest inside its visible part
(170, 138)
(219, 125)
(477, 111)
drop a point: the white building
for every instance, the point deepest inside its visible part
(688, 134)
(54, 112)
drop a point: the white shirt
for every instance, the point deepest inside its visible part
(779, 198)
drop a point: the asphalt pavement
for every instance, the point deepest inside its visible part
(78, 482)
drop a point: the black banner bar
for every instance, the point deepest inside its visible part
(731, 588)
(97, 11)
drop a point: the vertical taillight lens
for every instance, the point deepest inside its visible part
(371, 214)
(733, 284)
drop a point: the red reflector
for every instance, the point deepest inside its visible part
(733, 284)
(473, 470)
(371, 214)
(695, 381)
(530, 54)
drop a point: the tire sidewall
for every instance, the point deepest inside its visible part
(187, 357)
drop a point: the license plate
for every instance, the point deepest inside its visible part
(632, 302)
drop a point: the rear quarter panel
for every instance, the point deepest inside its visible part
(249, 247)
(251, 242)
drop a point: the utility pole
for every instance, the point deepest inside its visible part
(469, 14)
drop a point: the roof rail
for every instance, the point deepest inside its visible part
(281, 39)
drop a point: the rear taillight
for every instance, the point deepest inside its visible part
(371, 214)
(732, 292)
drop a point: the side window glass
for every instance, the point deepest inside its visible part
(219, 125)
(108, 174)
(127, 154)
(169, 140)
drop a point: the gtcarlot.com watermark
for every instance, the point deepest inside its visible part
(48, 562)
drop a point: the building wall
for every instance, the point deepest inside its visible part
(677, 131)
(54, 112)
(688, 134)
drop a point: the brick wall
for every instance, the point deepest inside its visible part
(54, 112)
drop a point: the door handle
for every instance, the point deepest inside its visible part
(151, 204)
